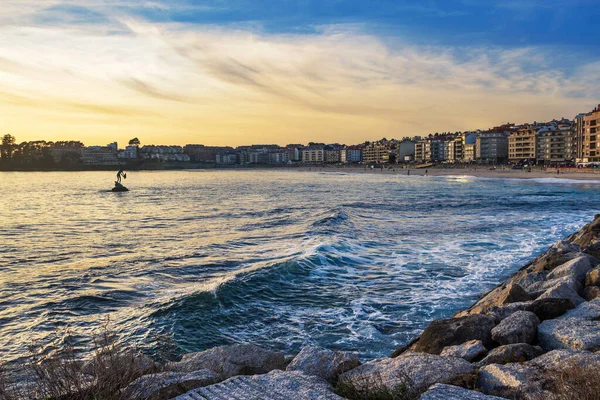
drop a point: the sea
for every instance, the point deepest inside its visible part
(280, 258)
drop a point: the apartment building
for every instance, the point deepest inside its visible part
(313, 154)
(591, 136)
(522, 144)
(554, 146)
(491, 146)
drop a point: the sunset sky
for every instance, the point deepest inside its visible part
(264, 71)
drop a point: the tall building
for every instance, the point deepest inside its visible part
(591, 138)
(554, 145)
(420, 148)
(492, 146)
(522, 144)
(578, 136)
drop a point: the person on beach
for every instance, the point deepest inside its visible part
(120, 174)
(409, 172)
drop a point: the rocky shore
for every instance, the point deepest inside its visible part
(536, 336)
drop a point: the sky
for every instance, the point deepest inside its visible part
(236, 72)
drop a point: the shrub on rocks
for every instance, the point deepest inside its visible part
(520, 327)
(512, 353)
(227, 361)
(591, 292)
(592, 278)
(454, 331)
(323, 363)
(469, 351)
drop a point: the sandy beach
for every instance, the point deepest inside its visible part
(479, 171)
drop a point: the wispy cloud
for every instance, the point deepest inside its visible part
(204, 83)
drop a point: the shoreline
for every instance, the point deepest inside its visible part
(471, 171)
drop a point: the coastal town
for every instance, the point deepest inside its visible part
(557, 143)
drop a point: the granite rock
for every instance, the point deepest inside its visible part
(576, 268)
(228, 361)
(520, 327)
(550, 308)
(448, 392)
(578, 329)
(454, 331)
(418, 371)
(512, 353)
(470, 350)
(323, 363)
(276, 385)
(165, 385)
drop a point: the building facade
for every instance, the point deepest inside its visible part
(314, 154)
(492, 146)
(591, 136)
(522, 144)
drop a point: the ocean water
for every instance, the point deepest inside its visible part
(359, 262)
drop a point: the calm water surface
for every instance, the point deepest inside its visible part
(279, 258)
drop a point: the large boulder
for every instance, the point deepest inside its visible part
(538, 288)
(228, 361)
(440, 391)
(165, 385)
(512, 353)
(275, 385)
(563, 290)
(592, 278)
(591, 292)
(550, 308)
(470, 350)
(504, 294)
(323, 363)
(415, 371)
(454, 331)
(578, 329)
(576, 268)
(520, 327)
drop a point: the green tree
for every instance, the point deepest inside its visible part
(8, 147)
(134, 142)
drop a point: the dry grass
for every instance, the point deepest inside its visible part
(60, 374)
(578, 382)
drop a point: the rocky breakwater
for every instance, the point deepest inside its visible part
(536, 336)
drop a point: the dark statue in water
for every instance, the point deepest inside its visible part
(118, 186)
